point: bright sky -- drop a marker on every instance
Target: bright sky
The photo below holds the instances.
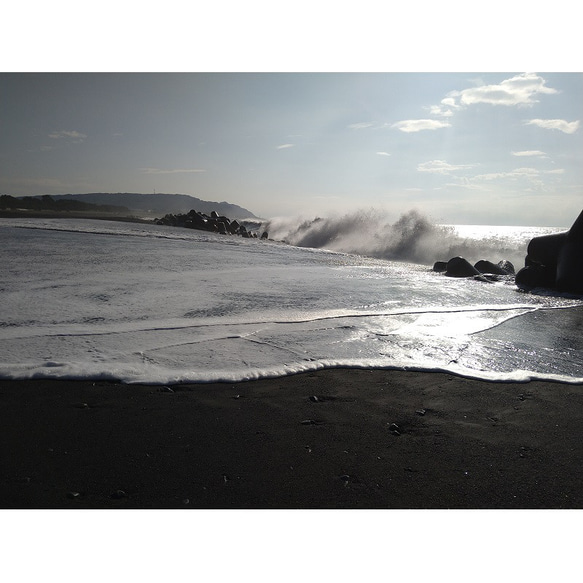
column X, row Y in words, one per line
column 490, row 148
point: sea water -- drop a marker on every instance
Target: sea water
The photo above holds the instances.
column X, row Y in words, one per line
column 141, row 303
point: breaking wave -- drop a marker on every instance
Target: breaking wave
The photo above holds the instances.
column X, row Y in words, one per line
column 413, row 238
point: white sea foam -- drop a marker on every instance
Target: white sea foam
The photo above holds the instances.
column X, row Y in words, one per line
column 145, row 303
column 412, row 237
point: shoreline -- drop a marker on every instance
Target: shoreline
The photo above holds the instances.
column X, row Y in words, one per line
column 329, row 439
column 23, row 214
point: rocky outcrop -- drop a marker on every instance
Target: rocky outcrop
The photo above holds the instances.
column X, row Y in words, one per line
column 213, row 223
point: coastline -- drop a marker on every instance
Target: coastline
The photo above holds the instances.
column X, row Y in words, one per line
column 48, row 214
column 331, row 439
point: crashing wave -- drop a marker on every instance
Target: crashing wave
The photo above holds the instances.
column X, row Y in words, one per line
column 413, row 238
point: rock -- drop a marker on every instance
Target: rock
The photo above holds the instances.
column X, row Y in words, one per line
column 460, row 267
column 555, row 261
column 507, row 267
column 489, row 267
column 394, row 429
column 119, row 494
column 545, row 250
column 534, row 276
column 264, row 235
column 440, row 266
column 213, row 223
column 570, row 261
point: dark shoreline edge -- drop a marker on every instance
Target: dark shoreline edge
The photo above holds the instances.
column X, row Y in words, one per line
column 8, row 214
column 333, row 438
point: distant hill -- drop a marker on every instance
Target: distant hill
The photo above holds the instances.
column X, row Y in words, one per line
column 160, row 204
column 48, row 203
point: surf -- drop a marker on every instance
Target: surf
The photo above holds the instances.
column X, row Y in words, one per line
column 413, row 237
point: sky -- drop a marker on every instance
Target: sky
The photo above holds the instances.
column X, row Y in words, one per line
column 472, row 148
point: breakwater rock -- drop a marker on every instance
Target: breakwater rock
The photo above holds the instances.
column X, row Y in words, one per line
column 483, row 270
column 555, row 261
column 213, row 223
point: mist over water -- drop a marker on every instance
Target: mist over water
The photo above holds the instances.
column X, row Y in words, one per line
column 413, row 237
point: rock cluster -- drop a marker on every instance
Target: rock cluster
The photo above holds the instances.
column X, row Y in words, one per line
column 213, row 223
column 555, row 261
column 483, row 270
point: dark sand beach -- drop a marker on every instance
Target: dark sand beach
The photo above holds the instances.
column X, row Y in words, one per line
column 332, row 439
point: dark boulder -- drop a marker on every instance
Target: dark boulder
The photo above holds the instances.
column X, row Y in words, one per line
column 555, row 261
column 570, row 263
column 460, row 267
column 484, row 266
column 545, row 250
column 234, row 227
column 440, row 266
column 507, row 267
column 534, row 276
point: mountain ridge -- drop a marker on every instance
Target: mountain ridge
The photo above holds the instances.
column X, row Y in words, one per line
column 160, row 203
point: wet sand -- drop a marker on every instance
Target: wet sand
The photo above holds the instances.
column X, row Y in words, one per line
column 332, row 439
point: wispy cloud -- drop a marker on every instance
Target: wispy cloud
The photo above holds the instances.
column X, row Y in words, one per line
column 74, row 135
column 171, row 171
column 418, row 125
column 516, row 173
column 284, row 146
column 360, row 125
column 520, row 90
column 442, row 167
column 555, row 124
column 439, row 110
column 529, row 153
column 383, row 153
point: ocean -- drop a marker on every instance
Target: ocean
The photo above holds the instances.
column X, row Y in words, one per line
column 141, row 303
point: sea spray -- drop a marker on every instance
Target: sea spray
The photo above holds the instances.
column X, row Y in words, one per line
column 413, row 237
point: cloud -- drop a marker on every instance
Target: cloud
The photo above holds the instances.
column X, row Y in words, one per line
column 284, row 146
column 383, row 153
column 555, row 124
column 173, row 171
column 516, row 173
column 441, row 167
column 520, row 90
column 438, row 110
column 68, row 134
column 361, row 125
column 417, row 125
column 529, row 153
